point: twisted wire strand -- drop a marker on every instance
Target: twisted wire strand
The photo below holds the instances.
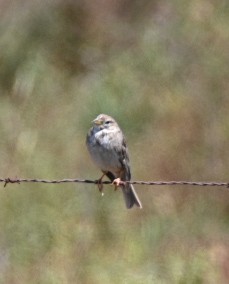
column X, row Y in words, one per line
column 192, row 183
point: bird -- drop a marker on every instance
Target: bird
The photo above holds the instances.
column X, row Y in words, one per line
column 107, row 147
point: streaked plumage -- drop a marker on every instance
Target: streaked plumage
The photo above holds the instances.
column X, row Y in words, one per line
column 107, row 147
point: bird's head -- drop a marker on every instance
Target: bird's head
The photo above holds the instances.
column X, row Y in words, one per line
column 104, row 121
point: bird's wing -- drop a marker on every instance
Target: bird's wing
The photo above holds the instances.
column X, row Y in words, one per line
column 122, row 152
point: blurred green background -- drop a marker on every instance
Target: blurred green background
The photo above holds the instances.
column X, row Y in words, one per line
column 160, row 68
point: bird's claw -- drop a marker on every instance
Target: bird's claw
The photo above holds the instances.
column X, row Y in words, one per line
column 116, row 183
column 100, row 185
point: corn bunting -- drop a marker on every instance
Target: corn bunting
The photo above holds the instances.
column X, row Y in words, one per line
column 107, row 147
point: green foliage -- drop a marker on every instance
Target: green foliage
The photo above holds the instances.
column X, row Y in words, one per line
column 161, row 69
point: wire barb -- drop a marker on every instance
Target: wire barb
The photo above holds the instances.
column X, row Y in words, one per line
column 9, row 180
column 191, row 183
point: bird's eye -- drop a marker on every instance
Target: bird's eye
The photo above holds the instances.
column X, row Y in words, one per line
column 108, row 122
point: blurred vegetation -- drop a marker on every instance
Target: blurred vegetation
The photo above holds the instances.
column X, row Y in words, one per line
column 161, row 69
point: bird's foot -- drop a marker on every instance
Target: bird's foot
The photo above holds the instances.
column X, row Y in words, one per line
column 116, row 183
column 100, row 185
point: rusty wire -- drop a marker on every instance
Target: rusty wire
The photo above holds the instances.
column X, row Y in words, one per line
column 191, row 183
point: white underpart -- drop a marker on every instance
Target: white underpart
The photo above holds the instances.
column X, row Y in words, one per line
column 104, row 133
column 105, row 156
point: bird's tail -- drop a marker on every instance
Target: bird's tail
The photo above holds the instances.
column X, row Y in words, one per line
column 131, row 196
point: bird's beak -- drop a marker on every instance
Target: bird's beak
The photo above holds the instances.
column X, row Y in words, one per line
column 97, row 121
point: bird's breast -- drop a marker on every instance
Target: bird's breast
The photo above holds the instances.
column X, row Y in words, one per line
column 103, row 152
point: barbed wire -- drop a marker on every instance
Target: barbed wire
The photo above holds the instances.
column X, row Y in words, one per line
column 191, row 183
